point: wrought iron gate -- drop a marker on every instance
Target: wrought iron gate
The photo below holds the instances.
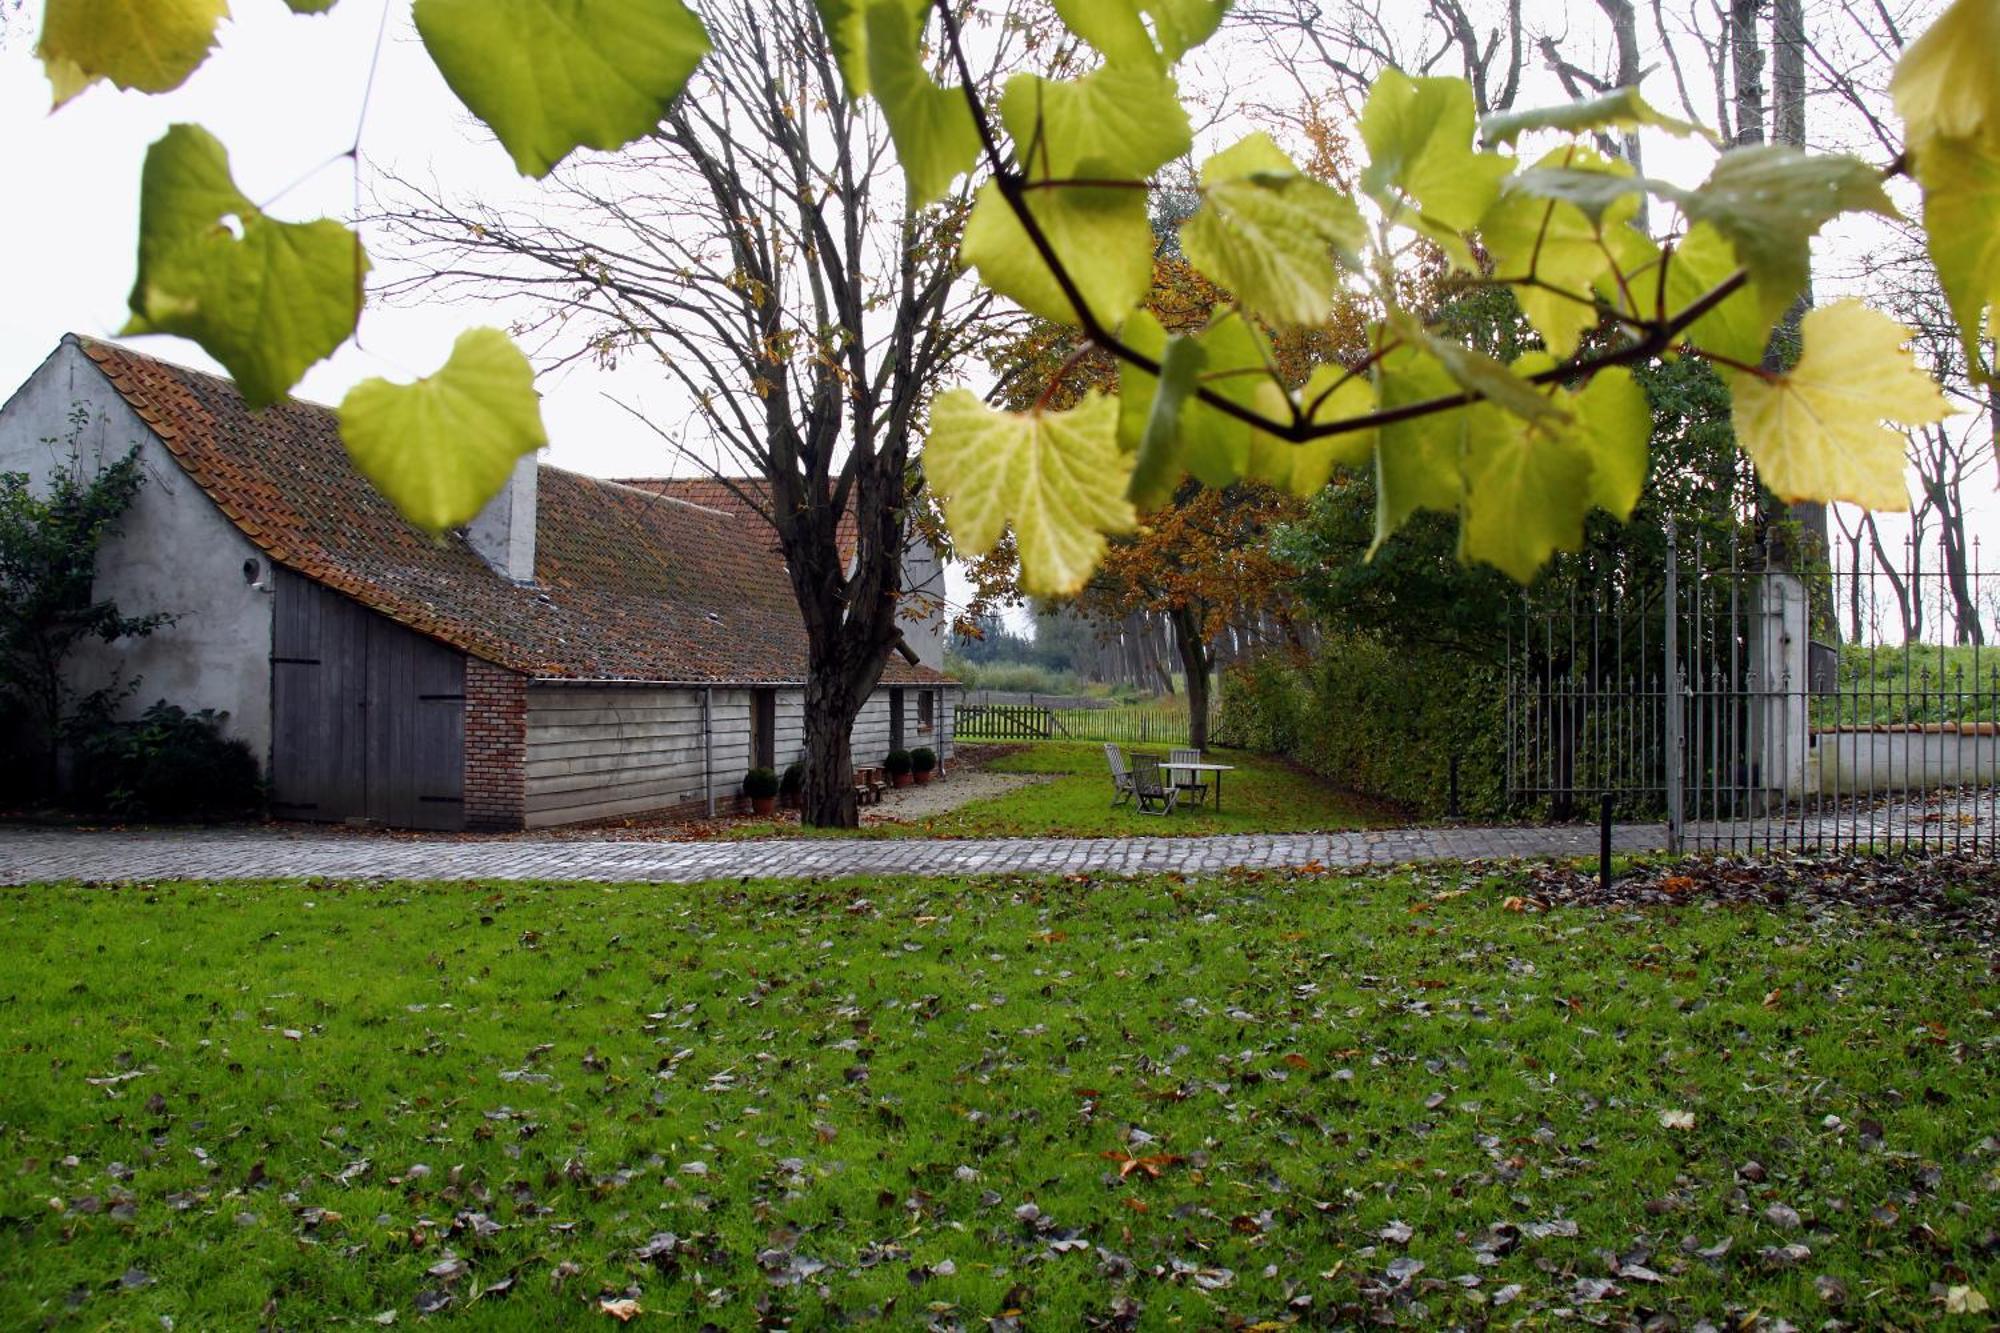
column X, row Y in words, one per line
column 1713, row 700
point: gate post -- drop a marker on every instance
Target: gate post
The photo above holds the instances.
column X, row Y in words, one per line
column 1670, row 683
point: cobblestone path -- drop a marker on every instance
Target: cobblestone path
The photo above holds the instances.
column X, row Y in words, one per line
column 30, row 855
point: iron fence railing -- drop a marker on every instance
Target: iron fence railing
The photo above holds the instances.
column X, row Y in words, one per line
column 1715, row 700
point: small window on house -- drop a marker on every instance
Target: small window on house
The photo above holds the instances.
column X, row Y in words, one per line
column 926, row 710
column 763, row 728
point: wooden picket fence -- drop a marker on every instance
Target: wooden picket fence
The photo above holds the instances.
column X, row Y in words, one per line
column 1158, row 723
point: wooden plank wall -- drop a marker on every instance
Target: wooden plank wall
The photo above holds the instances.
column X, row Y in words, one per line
column 599, row 751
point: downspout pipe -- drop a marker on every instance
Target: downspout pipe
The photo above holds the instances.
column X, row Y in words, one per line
column 708, row 748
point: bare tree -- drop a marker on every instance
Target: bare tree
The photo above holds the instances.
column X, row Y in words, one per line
column 757, row 250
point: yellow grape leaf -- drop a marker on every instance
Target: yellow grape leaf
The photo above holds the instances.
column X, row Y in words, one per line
column 265, row 298
column 1058, row 478
column 444, row 446
column 1816, row 433
column 1103, row 237
column 846, row 26
column 551, row 76
column 1961, row 180
column 1944, row 83
column 1269, row 233
column 150, row 47
column 1527, row 490
column 1216, row 447
column 1615, row 423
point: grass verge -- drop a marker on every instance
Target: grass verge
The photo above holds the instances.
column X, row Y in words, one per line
column 1120, row 1103
column 1263, row 795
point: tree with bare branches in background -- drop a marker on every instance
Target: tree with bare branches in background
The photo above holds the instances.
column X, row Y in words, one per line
column 758, row 251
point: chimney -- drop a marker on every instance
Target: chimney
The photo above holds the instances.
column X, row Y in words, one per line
column 503, row 533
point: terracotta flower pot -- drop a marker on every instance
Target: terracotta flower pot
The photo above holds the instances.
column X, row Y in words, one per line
column 763, row 805
column 903, row 779
column 922, row 776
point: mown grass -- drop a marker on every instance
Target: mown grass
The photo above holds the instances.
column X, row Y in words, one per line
column 1262, row 795
column 892, row 1103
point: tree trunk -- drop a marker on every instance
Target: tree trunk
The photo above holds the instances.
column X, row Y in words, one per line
column 1195, row 662
column 827, row 798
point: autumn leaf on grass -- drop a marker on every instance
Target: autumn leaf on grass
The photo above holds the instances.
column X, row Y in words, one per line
column 1149, row 1166
column 1057, row 477
column 1677, row 1119
column 1816, row 432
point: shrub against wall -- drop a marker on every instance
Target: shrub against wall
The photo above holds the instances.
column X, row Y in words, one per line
column 1383, row 722
column 169, row 764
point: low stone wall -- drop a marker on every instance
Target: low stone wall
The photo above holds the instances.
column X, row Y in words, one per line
column 1864, row 760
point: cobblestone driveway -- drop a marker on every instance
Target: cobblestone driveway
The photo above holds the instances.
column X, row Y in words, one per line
column 30, row 855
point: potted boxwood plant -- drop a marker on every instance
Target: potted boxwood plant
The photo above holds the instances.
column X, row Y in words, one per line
column 923, row 762
column 792, row 784
column 898, row 764
column 761, row 786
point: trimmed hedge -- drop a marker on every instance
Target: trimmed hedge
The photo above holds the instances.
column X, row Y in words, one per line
column 1385, row 722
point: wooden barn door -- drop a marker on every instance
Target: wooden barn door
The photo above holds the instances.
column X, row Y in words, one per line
column 368, row 718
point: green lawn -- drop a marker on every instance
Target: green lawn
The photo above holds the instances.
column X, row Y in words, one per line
column 1263, row 795
column 918, row 1104
column 1928, row 683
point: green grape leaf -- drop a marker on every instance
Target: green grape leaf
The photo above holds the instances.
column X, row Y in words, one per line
column 1182, row 25
column 1218, row 448
column 1269, row 234
column 552, row 76
column 1475, row 371
column 265, row 298
column 1116, row 122
column 1143, row 334
column 846, row 26
column 1961, row 180
column 1816, row 433
column 1158, row 468
column 1527, row 491
column 1593, row 192
column 1559, row 244
column 1615, row 423
column 1103, row 237
column 309, row 6
column 1058, row 478
column 441, row 448
column 150, row 48
column 1703, row 260
column 1416, row 460
column 1332, row 394
column 1419, row 138
column 1944, row 84
column 936, row 138
column 1769, row 201
column 1622, row 109
column 1113, row 27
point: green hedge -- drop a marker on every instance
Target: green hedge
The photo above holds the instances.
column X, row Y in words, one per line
column 1385, row 722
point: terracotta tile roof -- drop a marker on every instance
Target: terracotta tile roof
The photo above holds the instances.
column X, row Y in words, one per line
column 630, row 585
column 715, row 493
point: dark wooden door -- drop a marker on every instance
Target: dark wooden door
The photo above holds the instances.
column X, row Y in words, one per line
column 368, row 718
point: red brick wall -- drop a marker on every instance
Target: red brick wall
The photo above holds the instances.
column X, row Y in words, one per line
column 496, row 746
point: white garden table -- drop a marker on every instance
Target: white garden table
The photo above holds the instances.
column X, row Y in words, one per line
column 1217, row 769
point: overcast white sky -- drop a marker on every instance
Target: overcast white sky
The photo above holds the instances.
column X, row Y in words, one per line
column 284, row 94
